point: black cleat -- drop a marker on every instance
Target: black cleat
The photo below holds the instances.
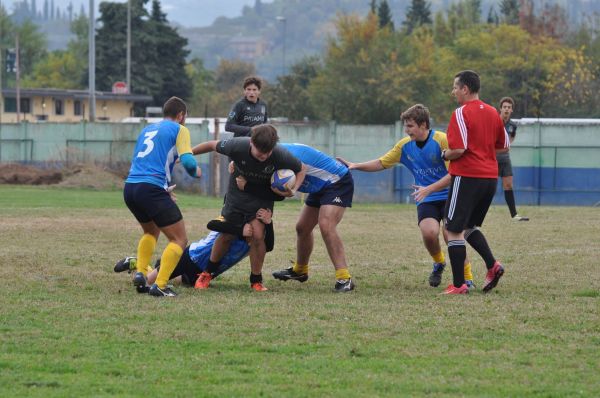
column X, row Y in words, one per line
column 435, row 278
column 126, row 264
column 158, row 292
column 343, row 285
column 288, row 273
column 139, row 281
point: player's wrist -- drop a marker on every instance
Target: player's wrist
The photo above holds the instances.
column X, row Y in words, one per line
column 443, row 155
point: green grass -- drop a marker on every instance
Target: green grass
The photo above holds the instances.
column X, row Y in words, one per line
column 69, row 326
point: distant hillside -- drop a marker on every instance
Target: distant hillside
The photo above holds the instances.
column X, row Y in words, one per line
column 258, row 35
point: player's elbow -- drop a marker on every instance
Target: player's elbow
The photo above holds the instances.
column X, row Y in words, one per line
column 188, row 161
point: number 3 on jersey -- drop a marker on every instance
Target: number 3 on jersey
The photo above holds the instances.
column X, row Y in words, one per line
column 148, row 142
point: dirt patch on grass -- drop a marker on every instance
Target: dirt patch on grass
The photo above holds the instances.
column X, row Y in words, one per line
column 78, row 176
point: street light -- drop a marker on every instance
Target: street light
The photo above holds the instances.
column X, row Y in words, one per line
column 283, row 20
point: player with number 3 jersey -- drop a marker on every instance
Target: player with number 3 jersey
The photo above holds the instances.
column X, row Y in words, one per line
column 149, row 198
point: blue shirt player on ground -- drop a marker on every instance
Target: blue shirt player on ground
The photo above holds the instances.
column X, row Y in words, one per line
column 420, row 153
column 148, row 197
column 330, row 189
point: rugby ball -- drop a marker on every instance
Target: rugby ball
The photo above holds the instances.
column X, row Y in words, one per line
column 283, row 179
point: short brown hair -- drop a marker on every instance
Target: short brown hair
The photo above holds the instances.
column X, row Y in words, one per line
column 173, row 107
column 253, row 80
column 507, row 99
column 470, row 79
column 418, row 113
column 264, row 137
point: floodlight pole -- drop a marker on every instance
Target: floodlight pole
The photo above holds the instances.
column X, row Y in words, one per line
column 128, row 77
column 92, row 62
column 18, row 78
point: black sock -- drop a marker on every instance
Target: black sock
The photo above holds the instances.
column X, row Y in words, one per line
column 212, row 267
column 457, row 252
column 255, row 278
column 478, row 242
column 509, row 196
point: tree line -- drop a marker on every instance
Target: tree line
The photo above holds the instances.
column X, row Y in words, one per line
column 368, row 72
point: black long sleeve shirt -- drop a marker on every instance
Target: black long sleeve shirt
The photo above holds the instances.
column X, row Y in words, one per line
column 244, row 115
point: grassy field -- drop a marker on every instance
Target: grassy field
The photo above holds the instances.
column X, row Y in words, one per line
column 70, row 326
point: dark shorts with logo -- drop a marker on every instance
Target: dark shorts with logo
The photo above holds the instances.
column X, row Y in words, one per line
column 149, row 202
column 338, row 194
column 504, row 165
column 468, row 202
column 433, row 210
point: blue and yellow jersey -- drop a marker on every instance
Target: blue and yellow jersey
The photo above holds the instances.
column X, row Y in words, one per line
column 425, row 164
column 321, row 170
column 158, row 147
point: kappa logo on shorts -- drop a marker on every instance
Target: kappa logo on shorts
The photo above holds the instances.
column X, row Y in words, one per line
column 337, row 200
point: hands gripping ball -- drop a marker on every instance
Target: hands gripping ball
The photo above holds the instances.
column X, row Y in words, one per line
column 283, row 179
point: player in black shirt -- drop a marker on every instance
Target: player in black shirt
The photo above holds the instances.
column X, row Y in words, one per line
column 248, row 112
column 255, row 158
column 504, row 165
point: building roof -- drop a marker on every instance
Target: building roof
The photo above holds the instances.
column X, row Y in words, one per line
column 76, row 94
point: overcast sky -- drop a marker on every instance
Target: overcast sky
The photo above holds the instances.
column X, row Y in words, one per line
column 184, row 12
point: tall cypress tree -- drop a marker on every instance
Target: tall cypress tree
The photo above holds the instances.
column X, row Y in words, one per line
column 157, row 51
column 418, row 13
column 385, row 15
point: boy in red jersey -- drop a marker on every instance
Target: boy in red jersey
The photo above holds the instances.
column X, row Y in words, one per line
column 474, row 134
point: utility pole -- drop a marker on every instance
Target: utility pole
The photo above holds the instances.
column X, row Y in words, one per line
column 92, row 62
column 128, row 78
column 17, row 66
column 283, row 20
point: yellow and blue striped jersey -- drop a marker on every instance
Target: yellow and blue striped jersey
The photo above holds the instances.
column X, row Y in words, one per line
column 158, row 147
column 425, row 163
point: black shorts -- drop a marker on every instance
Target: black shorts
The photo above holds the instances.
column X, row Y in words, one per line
column 468, row 202
column 504, row 166
column 433, row 209
column 149, row 202
column 186, row 269
column 337, row 194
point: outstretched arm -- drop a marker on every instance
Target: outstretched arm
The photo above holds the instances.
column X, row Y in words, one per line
column 205, row 147
column 371, row 165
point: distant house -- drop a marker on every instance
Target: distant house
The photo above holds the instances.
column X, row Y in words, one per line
column 247, row 48
column 54, row 105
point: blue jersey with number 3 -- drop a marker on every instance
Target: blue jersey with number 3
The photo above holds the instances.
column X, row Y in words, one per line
column 155, row 154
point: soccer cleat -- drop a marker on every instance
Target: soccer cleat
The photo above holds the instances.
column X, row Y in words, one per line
column 435, row 278
column 288, row 273
column 451, row 289
column 126, row 264
column 520, row 218
column 158, row 292
column 493, row 276
column 470, row 284
column 259, row 287
column 343, row 285
column 139, row 281
column 203, row 281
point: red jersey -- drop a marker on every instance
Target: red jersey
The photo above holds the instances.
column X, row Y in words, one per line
column 477, row 128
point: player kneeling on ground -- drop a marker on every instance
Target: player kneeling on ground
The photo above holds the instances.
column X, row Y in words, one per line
column 194, row 259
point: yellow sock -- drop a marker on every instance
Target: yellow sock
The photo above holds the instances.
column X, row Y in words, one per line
column 439, row 258
column 468, row 273
column 144, row 252
column 342, row 273
column 300, row 269
column 168, row 262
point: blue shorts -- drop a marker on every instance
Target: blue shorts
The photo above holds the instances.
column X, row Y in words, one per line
column 337, row 194
column 149, row 202
column 433, row 210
